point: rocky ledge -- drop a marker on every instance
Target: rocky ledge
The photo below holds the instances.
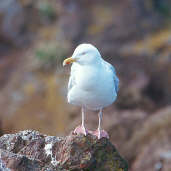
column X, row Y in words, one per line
column 31, row 151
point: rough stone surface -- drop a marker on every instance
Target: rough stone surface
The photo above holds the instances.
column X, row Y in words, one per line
column 30, row 150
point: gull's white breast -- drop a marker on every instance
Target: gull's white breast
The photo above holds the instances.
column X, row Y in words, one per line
column 92, row 86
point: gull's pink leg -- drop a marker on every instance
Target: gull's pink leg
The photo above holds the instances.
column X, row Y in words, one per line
column 81, row 128
column 100, row 133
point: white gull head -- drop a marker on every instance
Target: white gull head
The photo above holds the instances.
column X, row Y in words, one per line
column 86, row 54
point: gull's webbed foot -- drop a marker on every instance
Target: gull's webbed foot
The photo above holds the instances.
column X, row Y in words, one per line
column 81, row 130
column 100, row 134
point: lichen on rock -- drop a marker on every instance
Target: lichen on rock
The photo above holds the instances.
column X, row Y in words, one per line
column 29, row 150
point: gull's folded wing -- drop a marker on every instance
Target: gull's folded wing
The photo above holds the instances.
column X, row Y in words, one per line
column 112, row 70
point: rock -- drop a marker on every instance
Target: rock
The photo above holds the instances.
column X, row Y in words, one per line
column 30, row 150
column 159, row 89
column 152, row 143
column 104, row 25
column 146, row 84
column 13, row 20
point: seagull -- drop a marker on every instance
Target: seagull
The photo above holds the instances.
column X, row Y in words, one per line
column 93, row 84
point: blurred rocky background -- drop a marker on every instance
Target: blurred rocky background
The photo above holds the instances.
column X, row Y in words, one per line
column 134, row 35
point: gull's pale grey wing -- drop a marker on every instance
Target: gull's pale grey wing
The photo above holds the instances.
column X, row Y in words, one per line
column 112, row 70
column 116, row 80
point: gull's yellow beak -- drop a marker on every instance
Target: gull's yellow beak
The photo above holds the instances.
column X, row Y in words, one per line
column 68, row 61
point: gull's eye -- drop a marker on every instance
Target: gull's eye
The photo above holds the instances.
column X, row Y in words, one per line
column 83, row 53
